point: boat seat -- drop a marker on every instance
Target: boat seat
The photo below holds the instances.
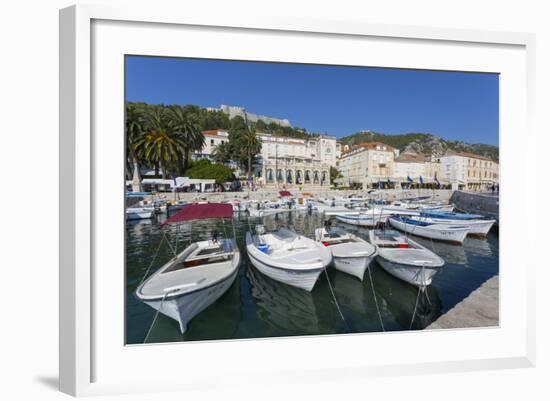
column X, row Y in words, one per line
column 208, row 255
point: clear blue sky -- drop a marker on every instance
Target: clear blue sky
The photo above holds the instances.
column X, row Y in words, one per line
column 328, row 99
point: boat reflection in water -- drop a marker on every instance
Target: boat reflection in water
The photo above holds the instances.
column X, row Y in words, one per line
column 283, row 307
column 399, row 299
column 451, row 253
column 357, row 302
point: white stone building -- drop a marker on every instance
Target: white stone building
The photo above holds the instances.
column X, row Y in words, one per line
column 295, row 162
column 289, row 162
column 212, row 139
column 469, row 171
column 410, row 165
column 368, row 164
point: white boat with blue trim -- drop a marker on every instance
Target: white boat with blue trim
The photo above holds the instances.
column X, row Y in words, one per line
column 287, row 257
column 478, row 227
column 455, row 233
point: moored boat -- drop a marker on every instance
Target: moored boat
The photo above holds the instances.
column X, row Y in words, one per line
column 196, row 277
column 439, row 231
column 405, row 258
column 287, row 257
column 450, row 215
column 137, row 213
column 477, row 227
column 350, row 254
column 369, row 218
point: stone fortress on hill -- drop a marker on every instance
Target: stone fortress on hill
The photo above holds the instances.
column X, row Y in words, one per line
column 234, row 111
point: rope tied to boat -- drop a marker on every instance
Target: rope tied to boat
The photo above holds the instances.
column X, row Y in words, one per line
column 153, row 260
column 421, row 288
column 335, row 300
column 375, row 299
column 155, row 318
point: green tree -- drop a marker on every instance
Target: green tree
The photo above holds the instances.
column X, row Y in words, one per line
column 184, row 123
column 160, row 145
column 334, row 174
column 244, row 144
column 204, row 169
column 222, row 153
column 135, row 129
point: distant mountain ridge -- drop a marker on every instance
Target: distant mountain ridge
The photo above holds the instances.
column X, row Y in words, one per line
column 427, row 144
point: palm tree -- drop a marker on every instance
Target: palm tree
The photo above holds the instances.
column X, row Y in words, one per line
column 252, row 147
column 160, row 145
column 185, row 124
column 135, row 128
column 222, row 153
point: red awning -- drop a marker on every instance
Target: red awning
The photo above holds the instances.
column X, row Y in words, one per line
column 198, row 211
column 285, row 193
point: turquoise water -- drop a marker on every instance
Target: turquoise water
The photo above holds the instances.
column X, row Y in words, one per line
column 257, row 306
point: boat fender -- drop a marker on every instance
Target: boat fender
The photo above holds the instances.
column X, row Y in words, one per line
column 263, row 248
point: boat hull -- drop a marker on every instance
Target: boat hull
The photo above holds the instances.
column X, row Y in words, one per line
column 416, row 275
column 185, row 307
column 304, row 279
column 139, row 215
column 363, row 220
column 477, row 227
column 355, row 266
column 441, row 234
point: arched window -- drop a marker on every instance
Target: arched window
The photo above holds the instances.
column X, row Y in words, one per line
column 269, row 175
column 308, row 177
column 298, row 176
column 324, row 177
column 289, row 176
column 279, row 175
column 316, row 177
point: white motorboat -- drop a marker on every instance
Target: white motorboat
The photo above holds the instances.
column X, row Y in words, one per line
column 415, row 208
column 439, row 231
column 350, row 254
column 368, row 218
column 395, row 209
column 443, row 231
column 268, row 208
column 330, row 209
column 137, row 213
column 196, row 277
column 287, row 257
column 477, row 227
column 404, row 258
column 437, row 207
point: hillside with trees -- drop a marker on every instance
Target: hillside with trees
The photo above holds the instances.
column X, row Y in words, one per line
column 427, row 144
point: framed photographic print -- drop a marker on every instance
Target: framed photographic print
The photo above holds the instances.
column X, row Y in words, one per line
column 345, row 193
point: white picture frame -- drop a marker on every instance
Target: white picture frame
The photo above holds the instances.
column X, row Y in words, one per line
column 82, row 344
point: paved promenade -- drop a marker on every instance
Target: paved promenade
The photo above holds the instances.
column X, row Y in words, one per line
column 265, row 194
column 479, row 309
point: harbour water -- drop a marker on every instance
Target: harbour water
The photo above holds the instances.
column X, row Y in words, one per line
column 256, row 306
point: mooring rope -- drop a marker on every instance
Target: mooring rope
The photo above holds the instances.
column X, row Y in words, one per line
column 153, row 260
column 421, row 288
column 154, row 319
column 375, row 299
column 335, row 301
